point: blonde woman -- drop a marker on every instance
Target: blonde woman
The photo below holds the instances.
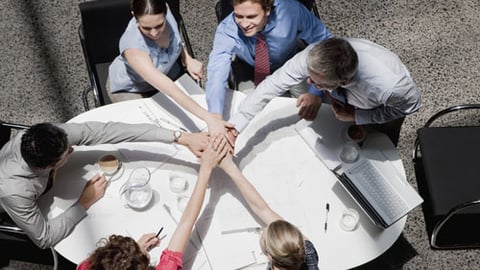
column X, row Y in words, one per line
column 284, row 245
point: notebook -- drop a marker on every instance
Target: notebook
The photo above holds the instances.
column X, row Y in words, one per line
column 384, row 199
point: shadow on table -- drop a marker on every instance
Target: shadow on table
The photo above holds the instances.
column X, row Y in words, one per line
column 263, row 138
column 394, row 258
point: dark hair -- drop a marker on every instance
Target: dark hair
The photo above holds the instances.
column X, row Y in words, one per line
column 148, row 7
column 43, row 145
column 334, row 58
column 266, row 4
column 118, row 253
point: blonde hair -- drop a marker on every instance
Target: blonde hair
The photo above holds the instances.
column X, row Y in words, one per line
column 285, row 244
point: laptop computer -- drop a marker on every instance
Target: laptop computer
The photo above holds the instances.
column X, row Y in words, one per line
column 372, row 181
column 376, row 186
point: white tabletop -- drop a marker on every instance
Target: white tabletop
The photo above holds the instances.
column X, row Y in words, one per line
column 270, row 153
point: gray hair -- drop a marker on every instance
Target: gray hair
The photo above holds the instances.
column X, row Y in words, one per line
column 333, row 58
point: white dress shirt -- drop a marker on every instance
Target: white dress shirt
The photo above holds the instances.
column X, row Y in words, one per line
column 381, row 90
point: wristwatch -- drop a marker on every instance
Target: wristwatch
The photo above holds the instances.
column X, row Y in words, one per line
column 176, row 135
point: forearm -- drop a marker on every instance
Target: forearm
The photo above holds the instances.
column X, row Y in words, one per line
column 185, row 55
column 254, row 200
column 182, row 233
column 91, row 133
column 45, row 233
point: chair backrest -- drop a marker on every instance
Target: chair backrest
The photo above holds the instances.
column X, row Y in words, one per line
column 103, row 23
column 6, row 131
column 13, row 240
column 224, row 7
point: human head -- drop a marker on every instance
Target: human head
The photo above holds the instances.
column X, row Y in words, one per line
column 332, row 63
column 44, row 145
column 251, row 16
column 118, row 252
column 284, row 245
column 150, row 16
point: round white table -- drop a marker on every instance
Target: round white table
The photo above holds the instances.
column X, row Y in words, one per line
column 271, row 154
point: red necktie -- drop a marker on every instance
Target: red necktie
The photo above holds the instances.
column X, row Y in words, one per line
column 262, row 60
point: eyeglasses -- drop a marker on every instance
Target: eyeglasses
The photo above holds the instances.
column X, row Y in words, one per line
column 324, row 85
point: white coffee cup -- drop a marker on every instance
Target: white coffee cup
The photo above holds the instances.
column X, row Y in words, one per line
column 355, row 133
column 108, row 164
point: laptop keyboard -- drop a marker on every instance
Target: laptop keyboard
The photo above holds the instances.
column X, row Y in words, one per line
column 373, row 185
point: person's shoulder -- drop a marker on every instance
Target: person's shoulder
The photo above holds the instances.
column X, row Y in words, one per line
column 287, row 5
column 227, row 24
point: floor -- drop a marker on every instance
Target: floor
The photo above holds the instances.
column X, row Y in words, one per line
column 43, row 74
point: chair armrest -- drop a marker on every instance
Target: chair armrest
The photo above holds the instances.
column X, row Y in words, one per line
column 442, row 222
column 450, row 110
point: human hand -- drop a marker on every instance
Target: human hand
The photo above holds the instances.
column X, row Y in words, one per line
column 93, row 191
column 196, row 142
column 147, row 242
column 194, row 68
column 343, row 112
column 215, row 151
column 216, row 125
column 309, row 105
column 232, row 134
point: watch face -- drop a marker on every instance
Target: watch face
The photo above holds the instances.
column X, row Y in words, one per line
column 177, row 134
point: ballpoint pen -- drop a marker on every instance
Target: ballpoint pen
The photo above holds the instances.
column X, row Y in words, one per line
column 327, row 209
column 160, row 231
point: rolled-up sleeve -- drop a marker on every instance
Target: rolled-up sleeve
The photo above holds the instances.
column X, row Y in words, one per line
column 398, row 102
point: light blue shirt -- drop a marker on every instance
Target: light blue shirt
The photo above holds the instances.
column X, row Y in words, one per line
column 381, row 90
column 288, row 22
column 122, row 76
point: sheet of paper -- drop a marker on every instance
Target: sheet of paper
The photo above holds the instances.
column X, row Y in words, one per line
column 324, row 135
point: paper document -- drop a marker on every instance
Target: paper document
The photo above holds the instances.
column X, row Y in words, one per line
column 324, row 135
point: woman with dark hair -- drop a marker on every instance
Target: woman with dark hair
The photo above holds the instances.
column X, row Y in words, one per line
column 149, row 49
column 123, row 253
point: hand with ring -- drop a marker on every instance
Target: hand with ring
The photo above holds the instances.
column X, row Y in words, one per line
column 215, row 151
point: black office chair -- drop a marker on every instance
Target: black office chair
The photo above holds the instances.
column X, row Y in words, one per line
column 240, row 70
column 14, row 243
column 446, row 160
column 103, row 23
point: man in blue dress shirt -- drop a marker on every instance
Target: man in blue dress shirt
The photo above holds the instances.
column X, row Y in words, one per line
column 282, row 23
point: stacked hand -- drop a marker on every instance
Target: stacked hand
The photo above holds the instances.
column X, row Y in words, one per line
column 215, row 151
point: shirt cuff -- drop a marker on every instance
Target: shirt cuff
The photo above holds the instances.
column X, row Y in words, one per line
column 239, row 121
column 362, row 117
column 314, row 91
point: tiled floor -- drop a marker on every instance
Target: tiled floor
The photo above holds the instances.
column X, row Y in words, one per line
column 42, row 75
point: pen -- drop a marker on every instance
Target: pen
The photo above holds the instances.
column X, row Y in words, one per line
column 161, row 229
column 249, row 229
column 327, row 209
